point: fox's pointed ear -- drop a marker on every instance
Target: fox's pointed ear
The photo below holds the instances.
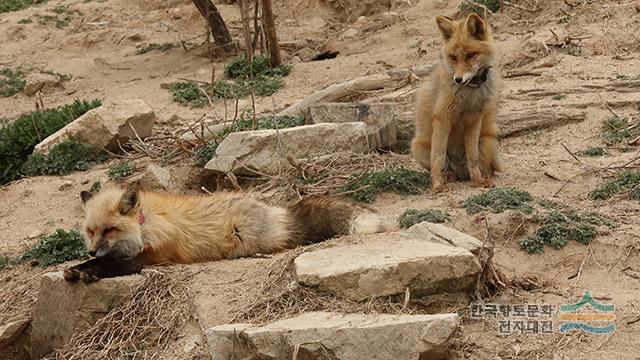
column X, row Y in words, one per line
column 85, row 196
column 129, row 201
column 476, row 27
column 445, row 25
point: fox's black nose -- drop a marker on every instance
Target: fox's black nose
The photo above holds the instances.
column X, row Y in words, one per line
column 458, row 80
column 92, row 253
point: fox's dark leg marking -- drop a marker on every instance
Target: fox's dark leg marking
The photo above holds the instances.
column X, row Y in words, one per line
column 104, row 267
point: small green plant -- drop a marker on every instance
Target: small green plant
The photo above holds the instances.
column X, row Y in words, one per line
column 366, row 186
column 120, row 170
column 18, row 139
column 559, row 97
column 206, row 152
column 95, row 187
column 14, row 5
column 616, row 130
column 25, row 21
column 11, row 82
column 493, row 5
column 574, row 51
column 5, row 261
column 625, row 181
column 240, row 68
column 63, row 158
column 557, row 228
column 190, row 93
column 59, row 247
column 412, row 216
column 61, row 9
column 58, row 21
column 159, row 47
column 61, row 77
column 498, row 200
column 592, row 151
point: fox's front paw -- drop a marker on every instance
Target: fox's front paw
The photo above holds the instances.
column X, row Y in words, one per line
column 71, row 274
column 482, row 182
column 439, row 187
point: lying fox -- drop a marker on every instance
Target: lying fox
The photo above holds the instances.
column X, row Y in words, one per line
column 126, row 230
column 456, row 131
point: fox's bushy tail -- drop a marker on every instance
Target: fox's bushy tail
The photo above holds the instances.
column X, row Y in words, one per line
column 317, row 218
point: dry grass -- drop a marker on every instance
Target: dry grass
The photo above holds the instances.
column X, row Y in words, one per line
column 19, row 290
column 143, row 327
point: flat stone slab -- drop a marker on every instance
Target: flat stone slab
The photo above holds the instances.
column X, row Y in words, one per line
column 63, row 308
column 267, row 151
column 326, row 335
column 388, row 265
column 445, row 235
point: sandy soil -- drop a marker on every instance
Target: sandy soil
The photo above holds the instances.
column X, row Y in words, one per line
column 98, row 49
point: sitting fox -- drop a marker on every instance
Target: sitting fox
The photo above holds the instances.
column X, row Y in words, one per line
column 126, row 230
column 456, row 131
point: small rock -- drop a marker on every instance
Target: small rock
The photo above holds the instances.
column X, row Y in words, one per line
column 106, row 126
column 388, row 265
column 10, row 331
column 348, row 337
column 37, row 81
column 65, row 185
column 350, row 34
column 155, row 178
column 35, row 234
column 63, row 308
column 222, row 341
column 264, row 150
column 446, row 235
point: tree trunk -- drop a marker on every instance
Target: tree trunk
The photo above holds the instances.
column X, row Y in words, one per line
column 270, row 31
column 246, row 29
column 216, row 23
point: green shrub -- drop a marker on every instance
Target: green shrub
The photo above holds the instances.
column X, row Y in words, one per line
column 11, row 82
column 592, row 151
column 625, row 181
column 557, row 228
column 14, row 5
column 412, row 216
column 120, row 170
column 59, row 247
column 18, row 139
column 366, row 186
column 493, row 5
column 206, row 152
column 5, row 261
column 240, row 68
column 498, row 200
column 616, row 130
column 63, row 158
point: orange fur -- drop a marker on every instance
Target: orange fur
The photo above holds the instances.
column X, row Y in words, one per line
column 456, row 130
column 188, row 229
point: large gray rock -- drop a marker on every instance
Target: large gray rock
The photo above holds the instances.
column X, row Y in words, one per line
column 63, row 308
column 388, row 265
column 379, row 117
column 106, row 126
column 324, row 335
column 154, row 177
column 266, row 151
column 445, row 235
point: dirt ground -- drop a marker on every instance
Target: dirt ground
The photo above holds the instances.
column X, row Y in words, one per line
column 601, row 46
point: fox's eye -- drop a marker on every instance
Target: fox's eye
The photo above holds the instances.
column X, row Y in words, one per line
column 108, row 230
column 471, row 55
column 453, row 58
